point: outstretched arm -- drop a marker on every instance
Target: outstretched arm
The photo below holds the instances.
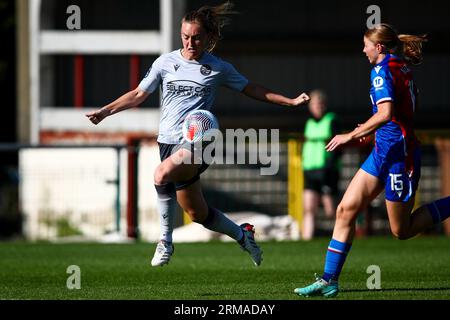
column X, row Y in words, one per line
column 129, row 100
column 383, row 115
column 258, row 92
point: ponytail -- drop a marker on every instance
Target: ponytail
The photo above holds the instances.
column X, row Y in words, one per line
column 410, row 46
column 212, row 19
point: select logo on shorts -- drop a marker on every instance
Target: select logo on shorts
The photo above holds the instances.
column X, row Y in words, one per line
column 188, row 88
column 205, row 69
column 377, row 82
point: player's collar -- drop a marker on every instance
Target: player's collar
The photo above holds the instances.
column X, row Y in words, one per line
column 384, row 61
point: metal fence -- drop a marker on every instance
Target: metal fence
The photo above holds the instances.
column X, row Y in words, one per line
column 82, row 191
column 64, row 191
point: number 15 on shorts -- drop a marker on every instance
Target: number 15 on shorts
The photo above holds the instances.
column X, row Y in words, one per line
column 396, row 183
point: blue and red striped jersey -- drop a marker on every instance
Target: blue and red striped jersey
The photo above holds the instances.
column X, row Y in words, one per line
column 392, row 80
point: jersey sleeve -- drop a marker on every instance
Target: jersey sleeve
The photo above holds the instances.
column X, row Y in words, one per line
column 233, row 79
column 382, row 85
column 153, row 77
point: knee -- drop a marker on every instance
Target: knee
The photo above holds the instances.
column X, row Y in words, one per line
column 329, row 212
column 401, row 233
column 195, row 215
column 161, row 176
column 345, row 213
column 308, row 212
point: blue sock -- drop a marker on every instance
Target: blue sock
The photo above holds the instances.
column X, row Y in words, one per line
column 439, row 209
column 334, row 261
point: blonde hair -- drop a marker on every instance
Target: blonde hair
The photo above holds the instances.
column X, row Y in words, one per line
column 212, row 19
column 410, row 46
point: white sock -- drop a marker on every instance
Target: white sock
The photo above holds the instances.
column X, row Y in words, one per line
column 218, row 222
column 167, row 206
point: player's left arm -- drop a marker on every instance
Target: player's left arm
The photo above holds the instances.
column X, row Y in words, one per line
column 261, row 93
column 382, row 116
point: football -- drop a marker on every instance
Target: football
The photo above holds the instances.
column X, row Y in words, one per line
column 197, row 124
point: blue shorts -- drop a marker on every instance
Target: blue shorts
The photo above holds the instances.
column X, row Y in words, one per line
column 399, row 185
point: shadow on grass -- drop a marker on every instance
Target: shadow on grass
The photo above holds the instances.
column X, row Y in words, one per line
column 395, row 289
column 212, row 294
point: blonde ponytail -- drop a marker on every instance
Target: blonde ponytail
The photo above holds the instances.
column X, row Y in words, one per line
column 412, row 47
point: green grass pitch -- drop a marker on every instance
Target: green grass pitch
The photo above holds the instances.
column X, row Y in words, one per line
column 413, row 269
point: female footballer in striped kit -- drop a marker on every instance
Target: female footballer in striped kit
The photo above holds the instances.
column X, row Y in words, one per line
column 393, row 165
column 189, row 79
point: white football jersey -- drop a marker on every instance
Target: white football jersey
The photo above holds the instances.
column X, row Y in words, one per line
column 187, row 85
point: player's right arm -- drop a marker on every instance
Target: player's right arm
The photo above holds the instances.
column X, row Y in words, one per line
column 134, row 97
column 129, row 100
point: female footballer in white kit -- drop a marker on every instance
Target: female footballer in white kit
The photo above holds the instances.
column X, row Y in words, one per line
column 189, row 79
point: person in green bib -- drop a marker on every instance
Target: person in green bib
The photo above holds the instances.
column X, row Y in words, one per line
column 320, row 168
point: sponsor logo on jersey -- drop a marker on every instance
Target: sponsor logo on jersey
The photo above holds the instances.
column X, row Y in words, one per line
column 378, row 82
column 176, row 66
column 187, row 88
column 148, row 72
column 205, row 69
column 404, row 69
column 377, row 69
